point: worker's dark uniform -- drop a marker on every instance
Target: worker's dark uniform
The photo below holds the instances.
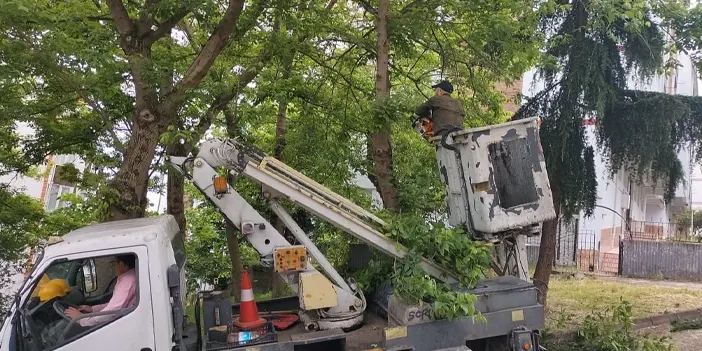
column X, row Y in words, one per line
column 445, row 112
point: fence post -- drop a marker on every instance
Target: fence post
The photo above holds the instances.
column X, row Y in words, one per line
column 558, row 239
column 621, row 257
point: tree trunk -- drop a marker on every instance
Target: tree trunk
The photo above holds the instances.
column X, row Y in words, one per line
column 547, row 249
column 132, row 178
column 235, row 257
column 370, row 163
column 381, row 139
column 382, row 157
column 547, row 252
column 280, row 129
column 278, row 288
column 153, row 113
column 278, row 284
column 175, row 189
column 231, row 119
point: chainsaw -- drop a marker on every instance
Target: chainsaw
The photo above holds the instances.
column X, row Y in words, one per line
column 423, row 126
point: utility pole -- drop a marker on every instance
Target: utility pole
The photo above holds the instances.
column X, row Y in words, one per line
column 689, row 190
column 695, row 92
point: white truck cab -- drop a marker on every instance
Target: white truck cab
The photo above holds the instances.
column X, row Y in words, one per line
column 84, row 259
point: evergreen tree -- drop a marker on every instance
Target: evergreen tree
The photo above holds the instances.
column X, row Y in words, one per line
column 594, row 48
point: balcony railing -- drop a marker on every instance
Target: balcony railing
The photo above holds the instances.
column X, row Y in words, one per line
column 662, row 231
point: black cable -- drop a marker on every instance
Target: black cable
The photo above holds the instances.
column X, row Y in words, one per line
column 445, row 135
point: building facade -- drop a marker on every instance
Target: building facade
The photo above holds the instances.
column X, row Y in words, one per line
column 624, row 206
column 48, row 187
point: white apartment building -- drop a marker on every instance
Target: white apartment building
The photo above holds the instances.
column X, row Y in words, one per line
column 47, row 188
column 620, row 200
column 696, row 187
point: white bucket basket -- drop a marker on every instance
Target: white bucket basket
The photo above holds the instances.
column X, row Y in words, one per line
column 497, row 179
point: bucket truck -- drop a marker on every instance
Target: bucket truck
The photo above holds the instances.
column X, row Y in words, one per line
column 497, row 189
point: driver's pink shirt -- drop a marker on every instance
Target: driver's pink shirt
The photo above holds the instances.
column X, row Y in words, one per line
column 123, row 297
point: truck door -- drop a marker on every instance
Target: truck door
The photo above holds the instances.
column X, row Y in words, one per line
column 124, row 323
column 132, row 331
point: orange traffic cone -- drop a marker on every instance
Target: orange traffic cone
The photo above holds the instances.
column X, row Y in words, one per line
column 248, row 312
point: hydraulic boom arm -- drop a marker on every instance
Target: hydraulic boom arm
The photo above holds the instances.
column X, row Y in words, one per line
column 325, row 304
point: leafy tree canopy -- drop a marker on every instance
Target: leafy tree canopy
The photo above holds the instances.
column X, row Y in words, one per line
column 593, row 49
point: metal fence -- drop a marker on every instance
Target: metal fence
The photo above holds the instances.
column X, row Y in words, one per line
column 650, row 250
column 579, row 250
column 567, row 243
column 663, row 231
column 661, row 250
column 587, row 251
column 676, row 260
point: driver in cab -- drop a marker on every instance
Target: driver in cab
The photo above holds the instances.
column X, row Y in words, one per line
column 123, row 295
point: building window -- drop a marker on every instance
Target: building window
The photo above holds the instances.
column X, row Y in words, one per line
column 54, row 199
column 63, row 177
column 64, row 159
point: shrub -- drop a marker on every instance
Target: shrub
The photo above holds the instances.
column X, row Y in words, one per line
column 613, row 330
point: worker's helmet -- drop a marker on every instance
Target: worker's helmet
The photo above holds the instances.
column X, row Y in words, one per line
column 54, row 288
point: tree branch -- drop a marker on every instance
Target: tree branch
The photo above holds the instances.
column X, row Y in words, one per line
column 149, row 6
column 166, row 27
column 231, row 119
column 104, row 17
column 185, row 27
column 337, row 72
column 368, row 7
column 530, row 101
column 214, row 46
column 70, row 85
column 409, row 7
column 417, row 82
column 245, row 26
column 158, row 160
column 53, row 107
column 244, row 79
column 145, row 21
column 121, row 16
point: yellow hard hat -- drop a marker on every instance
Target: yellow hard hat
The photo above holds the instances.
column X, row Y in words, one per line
column 44, row 279
column 54, row 288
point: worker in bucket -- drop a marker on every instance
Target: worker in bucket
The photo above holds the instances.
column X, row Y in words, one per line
column 444, row 113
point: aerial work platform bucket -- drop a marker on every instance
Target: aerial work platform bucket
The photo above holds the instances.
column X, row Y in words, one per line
column 496, row 177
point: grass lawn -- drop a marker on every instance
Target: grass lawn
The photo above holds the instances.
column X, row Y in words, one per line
column 569, row 300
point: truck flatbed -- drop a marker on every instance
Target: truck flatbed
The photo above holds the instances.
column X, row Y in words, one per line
column 368, row 337
column 506, row 302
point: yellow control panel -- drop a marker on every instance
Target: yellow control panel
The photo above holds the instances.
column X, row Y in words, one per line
column 291, row 258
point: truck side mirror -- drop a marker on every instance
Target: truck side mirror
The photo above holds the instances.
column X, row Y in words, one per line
column 89, row 276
